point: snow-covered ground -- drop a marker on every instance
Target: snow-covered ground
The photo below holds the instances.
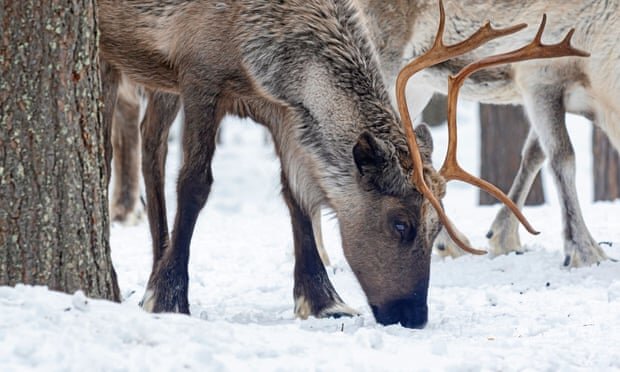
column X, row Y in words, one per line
column 513, row 312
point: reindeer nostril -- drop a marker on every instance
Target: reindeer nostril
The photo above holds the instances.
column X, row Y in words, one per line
column 441, row 247
column 490, row 234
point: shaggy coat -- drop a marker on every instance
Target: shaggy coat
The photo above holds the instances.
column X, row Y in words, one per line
column 309, row 72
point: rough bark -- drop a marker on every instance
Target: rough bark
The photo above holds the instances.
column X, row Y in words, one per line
column 503, row 130
column 606, row 167
column 54, row 227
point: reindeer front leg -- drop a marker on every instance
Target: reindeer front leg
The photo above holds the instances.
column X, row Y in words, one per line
column 313, row 291
column 504, row 235
column 168, row 285
column 318, row 237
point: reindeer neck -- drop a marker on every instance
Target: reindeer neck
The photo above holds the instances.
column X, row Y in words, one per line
column 318, row 58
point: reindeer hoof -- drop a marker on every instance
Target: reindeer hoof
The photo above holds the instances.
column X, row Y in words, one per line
column 338, row 309
column 444, row 246
column 582, row 255
column 148, row 301
column 171, row 303
column 166, row 292
column 504, row 242
column 127, row 216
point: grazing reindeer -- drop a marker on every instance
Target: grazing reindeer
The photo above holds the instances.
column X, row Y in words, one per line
column 308, row 72
column 401, row 30
column 547, row 88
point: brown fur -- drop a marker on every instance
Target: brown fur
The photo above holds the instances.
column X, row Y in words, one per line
column 308, row 71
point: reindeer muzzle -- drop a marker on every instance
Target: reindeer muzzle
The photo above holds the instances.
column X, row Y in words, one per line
column 410, row 313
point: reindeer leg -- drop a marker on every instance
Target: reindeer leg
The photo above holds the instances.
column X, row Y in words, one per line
column 160, row 114
column 313, row 291
column 318, row 237
column 125, row 202
column 110, row 78
column 545, row 106
column 504, row 235
column 168, row 284
column 444, row 245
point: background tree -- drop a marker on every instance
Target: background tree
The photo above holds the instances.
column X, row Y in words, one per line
column 54, row 225
column 503, row 130
column 606, row 167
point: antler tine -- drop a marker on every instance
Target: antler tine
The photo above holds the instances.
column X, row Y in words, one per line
column 440, row 52
column 562, row 45
column 440, row 29
column 566, row 44
column 437, row 54
column 541, row 29
column 534, row 50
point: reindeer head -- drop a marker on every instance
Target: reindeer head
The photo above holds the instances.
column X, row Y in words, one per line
column 388, row 240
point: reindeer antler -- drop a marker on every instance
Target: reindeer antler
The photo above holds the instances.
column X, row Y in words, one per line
column 440, row 53
column 451, row 170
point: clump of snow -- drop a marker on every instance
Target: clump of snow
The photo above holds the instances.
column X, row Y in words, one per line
column 79, row 301
column 512, row 312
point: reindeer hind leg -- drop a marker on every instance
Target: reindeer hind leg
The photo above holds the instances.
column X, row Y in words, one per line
column 504, row 232
column 545, row 106
column 125, row 206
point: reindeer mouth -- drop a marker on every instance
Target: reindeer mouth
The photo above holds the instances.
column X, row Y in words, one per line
column 409, row 313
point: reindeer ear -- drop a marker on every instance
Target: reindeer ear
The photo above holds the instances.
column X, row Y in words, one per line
column 425, row 142
column 370, row 156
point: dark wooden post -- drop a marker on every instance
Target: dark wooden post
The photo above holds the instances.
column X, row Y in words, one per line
column 503, row 130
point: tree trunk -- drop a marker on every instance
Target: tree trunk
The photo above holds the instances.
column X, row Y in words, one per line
column 54, row 227
column 606, row 167
column 503, row 130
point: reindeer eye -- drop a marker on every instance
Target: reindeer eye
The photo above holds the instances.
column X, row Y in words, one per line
column 404, row 230
column 401, row 228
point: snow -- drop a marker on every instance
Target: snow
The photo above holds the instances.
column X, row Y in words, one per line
column 512, row 312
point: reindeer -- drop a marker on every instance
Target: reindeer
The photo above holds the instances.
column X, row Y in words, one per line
column 401, row 30
column 309, row 72
column 548, row 88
